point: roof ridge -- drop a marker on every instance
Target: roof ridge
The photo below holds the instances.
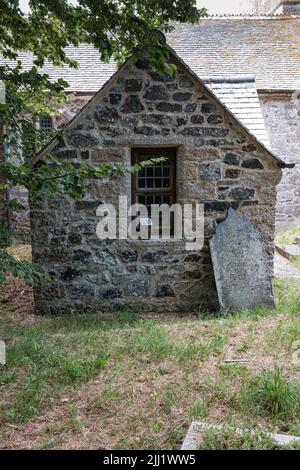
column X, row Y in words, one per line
column 250, row 15
column 228, row 78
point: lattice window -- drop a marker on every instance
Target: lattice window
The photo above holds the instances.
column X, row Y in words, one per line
column 154, row 184
column 46, row 123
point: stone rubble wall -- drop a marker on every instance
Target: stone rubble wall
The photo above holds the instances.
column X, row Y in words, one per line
column 217, row 165
column 282, row 117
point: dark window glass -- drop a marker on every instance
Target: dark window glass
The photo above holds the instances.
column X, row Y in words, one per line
column 154, row 184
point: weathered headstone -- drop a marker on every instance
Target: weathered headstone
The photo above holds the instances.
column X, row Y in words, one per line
column 242, row 274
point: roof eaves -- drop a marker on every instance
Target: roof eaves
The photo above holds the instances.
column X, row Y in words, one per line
column 227, row 79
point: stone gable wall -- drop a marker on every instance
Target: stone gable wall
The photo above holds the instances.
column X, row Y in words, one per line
column 216, row 165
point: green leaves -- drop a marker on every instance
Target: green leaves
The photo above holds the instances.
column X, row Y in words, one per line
column 21, row 269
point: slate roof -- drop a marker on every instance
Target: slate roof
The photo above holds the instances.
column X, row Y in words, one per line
column 266, row 46
column 240, row 96
column 88, row 78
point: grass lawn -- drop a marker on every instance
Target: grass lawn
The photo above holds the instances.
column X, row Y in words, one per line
column 129, row 382
column 288, row 237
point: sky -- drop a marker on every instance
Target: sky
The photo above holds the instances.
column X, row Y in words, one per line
column 213, row 6
column 225, row 6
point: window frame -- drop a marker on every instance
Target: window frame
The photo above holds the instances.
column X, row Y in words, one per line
column 145, row 153
column 48, row 129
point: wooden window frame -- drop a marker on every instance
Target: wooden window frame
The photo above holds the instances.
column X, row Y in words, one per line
column 145, row 153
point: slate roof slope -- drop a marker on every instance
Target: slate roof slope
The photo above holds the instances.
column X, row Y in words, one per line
column 88, row 78
column 267, row 47
column 240, row 96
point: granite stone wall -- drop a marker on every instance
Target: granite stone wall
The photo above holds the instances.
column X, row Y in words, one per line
column 217, row 165
column 282, row 117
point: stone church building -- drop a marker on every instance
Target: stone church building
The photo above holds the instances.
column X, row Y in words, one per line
column 211, row 158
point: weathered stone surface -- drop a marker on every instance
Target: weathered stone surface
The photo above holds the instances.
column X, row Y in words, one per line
column 211, row 171
column 109, row 294
column 185, row 82
column 161, row 119
column 147, row 130
column 197, row 119
column 85, row 155
column 208, row 108
column 165, row 291
column 219, row 206
column 205, row 131
column 152, row 257
column 161, row 78
column 182, row 96
column 113, row 130
column 156, row 93
column 83, row 140
column 252, row 163
column 242, row 273
column 190, row 108
column 169, row 107
column 132, row 105
column 242, row 194
column 74, row 238
column 232, row 159
column 70, row 273
column 232, row 173
column 87, row 205
column 67, row 154
column 105, row 114
column 81, row 255
column 249, row 148
column 129, row 255
column 133, row 85
column 181, row 121
column 281, row 116
column 115, row 98
column 215, row 119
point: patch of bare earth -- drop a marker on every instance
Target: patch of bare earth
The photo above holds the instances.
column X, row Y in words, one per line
column 16, row 298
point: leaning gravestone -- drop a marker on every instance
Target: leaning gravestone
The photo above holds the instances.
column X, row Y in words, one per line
column 242, row 274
